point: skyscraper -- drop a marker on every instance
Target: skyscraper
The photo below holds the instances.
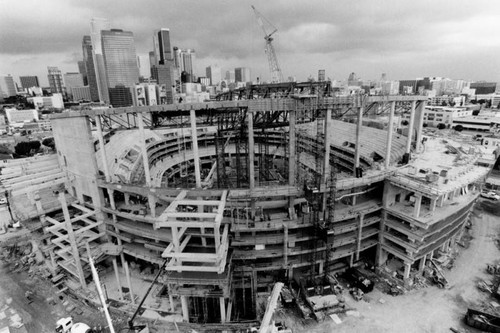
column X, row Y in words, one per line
column 214, row 73
column 72, row 80
column 242, row 74
column 163, row 68
column 88, row 59
column 82, row 69
column 7, row 86
column 96, row 26
column 55, row 80
column 183, row 61
column 120, row 61
column 29, row 81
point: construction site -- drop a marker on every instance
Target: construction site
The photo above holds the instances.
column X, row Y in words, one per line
column 216, row 203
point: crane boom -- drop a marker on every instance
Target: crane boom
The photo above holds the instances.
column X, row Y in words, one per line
column 274, row 67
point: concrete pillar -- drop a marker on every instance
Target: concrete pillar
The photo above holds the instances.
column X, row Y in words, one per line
column 351, row 260
column 152, row 205
column 420, row 115
column 145, row 159
column 251, row 151
column 127, row 198
column 185, row 309
column 127, row 276
column 418, row 205
column 433, row 204
column 410, row 126
column 390, row 132
column 285, row 245
column 357, row 148
column 117, row 275
column 326, row 156
column 194, row 138
column 292, row 140
column 421, row 265
column 360, row 232
column 222, row 309
column 407, row 270
column 440, row 200
column 171, row 299
column 101, row 148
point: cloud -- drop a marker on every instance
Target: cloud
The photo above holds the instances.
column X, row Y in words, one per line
column 405, row 38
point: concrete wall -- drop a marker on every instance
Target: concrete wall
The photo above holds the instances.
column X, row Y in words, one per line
column 77, row 157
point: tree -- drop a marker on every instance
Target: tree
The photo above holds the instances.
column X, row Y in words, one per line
column 441, row 126
column 25, row 148
column 49, row 142
column 458, row 128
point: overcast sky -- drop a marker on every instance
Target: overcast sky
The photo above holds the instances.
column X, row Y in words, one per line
column 405, row 39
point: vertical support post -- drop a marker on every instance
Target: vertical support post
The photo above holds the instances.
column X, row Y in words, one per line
column 285, row 245
column 171, row 299
column 418, row 205
column 175, row 240
column 222, row 309
column 420, row 115
column 360, row 232
column 421, row 264
column 72, row 240
column 117, row 275
column 433, row 204
column 251, row 151
column 326, row 158
column 390, row 131
column 407, row 270
column 359, row 124
column 196, row 156
column 185, row 309
column 127, row 276
column 292, row 141
column 97, row 119
column 410, row 126
column 145, row 159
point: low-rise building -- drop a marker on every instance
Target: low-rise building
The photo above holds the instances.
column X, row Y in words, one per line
column 41, row 102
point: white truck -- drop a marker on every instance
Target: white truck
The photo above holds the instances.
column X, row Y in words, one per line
column 66, row 325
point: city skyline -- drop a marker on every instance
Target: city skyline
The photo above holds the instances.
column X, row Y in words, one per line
column 405, row 40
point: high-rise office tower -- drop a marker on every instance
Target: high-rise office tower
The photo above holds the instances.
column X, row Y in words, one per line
column 96, row 26
column 55, row 80
column 88, row 59
column 120, row 61
column 163, row 67
column 183, row 61
column 214, row 73
column 29, row 81
column 230, row 76
column 242, row 74
column 82, row 69
column 72, row 80
column 7, row 86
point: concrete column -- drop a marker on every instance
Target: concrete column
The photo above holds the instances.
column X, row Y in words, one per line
column 117, row 275
column 285, row 246
column 440, row 200
column 222, row 309
column 390, row 132
column 421, row 265
column 321, row 267
column 292, row 140
column 152, row 205
column 420, row 115
column 251, row 151
column 101, row 148
column 357, row 148
column 407, row 271
column 194, row 138
column 171, row 299
column 127, row 275
column 410, row 126
column 127, row 198
column 185, row 309
column 418, row 205
column 326, row 157
column 351, row 260
column 360, row 232
column 433, row 204
column 145, row 160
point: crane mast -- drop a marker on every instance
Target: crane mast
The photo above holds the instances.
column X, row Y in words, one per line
column 274, row 67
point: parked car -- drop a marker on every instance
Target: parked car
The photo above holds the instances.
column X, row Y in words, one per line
column 490, row 195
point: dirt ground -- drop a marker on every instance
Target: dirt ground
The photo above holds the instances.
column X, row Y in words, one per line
column 431, row 309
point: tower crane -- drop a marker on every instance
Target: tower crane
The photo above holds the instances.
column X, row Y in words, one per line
column 274, row 66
